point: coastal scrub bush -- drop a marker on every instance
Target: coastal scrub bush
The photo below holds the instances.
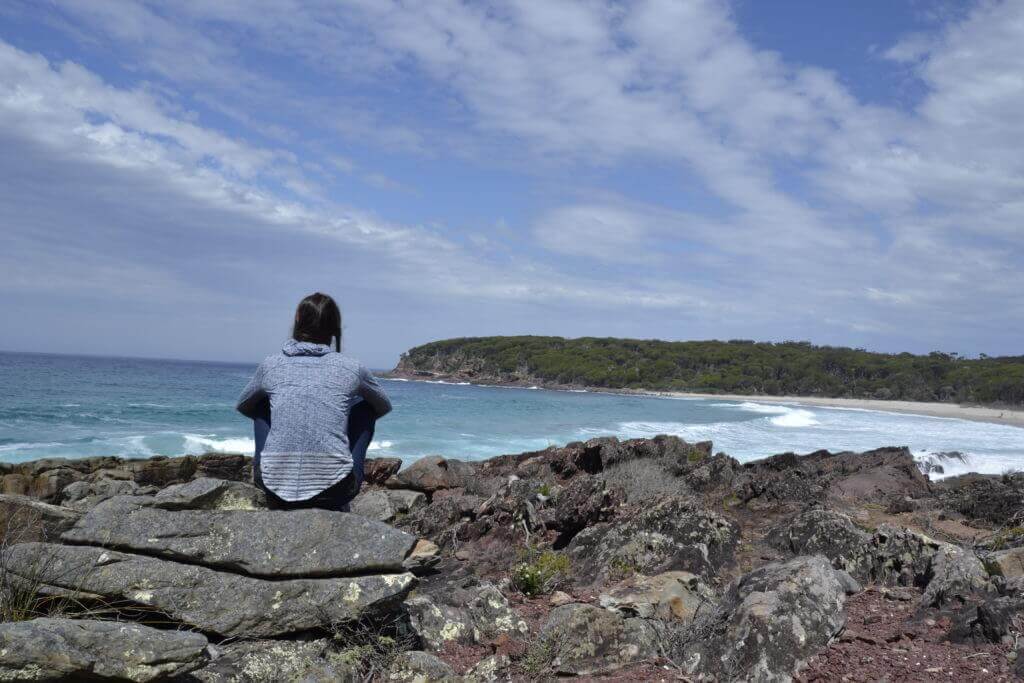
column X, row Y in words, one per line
column 22, row 595
column 541, row 572
column 737, row 367
column 370, row 646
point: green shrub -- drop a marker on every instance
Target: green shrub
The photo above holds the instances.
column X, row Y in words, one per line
column 541, row 574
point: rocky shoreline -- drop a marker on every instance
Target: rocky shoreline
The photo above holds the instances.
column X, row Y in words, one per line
column 649, row 559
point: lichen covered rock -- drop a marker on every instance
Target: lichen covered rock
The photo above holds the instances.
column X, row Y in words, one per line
column 770, row 622
column 66, row 649
column 676, row 534
column 468, row 613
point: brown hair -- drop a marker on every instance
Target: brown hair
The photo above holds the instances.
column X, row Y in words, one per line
column 317, row 320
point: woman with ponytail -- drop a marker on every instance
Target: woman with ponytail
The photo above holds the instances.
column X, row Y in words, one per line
column 314, row 412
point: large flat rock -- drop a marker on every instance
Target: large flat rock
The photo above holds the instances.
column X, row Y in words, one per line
column 274, row 544
column 209, row 600
column 87, row 650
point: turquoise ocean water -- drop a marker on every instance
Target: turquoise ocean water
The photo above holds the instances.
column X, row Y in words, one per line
column 69, row 406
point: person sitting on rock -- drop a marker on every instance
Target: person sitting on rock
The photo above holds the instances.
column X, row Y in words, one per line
column 324, row 407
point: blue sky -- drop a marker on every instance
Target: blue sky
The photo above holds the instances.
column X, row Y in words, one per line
column 175, row 176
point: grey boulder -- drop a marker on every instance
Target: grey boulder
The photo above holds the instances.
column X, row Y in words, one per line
column 208, row 600
column 582, row 640
column 828, row 533
column 956, row 575
column 386, row 505
column 431, row 474
column 87, row 650
column 469, row 613
column 770, row 622
column 673, row 535
column 274, row 544
column 206, row 493
column 84, row 494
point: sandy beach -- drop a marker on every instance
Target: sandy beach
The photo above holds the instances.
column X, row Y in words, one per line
column 1006, row 416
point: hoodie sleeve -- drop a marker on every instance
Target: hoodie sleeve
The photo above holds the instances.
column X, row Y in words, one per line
column 372, row 392
column 253, row 394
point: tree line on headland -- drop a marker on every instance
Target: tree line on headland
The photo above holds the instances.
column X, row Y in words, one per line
column 737, row 366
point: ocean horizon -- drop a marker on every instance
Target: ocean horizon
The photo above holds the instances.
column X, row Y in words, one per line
column 78, row 406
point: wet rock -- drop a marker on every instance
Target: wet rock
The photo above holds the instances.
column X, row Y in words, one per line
column 386, row 505
column 671, row 596
column 273, row 544
column 584, row 640
column 469, row 612
column 65, row 649
column 270, row 661
column 28, row 519
column 936, row 463
column 211, row 601
column 828, row 533
column 770, row 622
column 674, row 534
column 414, row 666
column 206, row 493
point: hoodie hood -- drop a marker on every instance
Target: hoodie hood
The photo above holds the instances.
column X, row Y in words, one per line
column 302, row 348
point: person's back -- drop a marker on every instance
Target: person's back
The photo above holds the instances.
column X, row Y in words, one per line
column 318, row 407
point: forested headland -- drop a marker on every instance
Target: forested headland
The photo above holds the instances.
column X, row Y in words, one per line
column 793, row 368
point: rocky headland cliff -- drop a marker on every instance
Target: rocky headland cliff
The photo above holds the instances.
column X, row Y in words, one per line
column 741, row 367
column 650, row 559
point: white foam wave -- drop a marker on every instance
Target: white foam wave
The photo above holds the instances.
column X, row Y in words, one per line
column 751, row 407
column 200, row 443
column 795, row 417
column 380, row 445
column 785, row 416
column 136, row 445
column 20, row 446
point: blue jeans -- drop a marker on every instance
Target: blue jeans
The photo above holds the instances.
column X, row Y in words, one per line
column 361, row 422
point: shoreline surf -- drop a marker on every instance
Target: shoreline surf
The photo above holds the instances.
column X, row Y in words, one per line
column 1012, row 417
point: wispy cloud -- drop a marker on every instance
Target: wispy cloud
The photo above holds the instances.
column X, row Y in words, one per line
column 651, row 156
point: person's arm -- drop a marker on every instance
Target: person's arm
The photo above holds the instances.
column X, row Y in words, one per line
column 372, row 392
column 253, row 395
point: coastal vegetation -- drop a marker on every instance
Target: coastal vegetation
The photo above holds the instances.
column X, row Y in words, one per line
column 737, row 367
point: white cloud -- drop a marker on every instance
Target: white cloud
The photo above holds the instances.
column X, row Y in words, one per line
column 822, row 206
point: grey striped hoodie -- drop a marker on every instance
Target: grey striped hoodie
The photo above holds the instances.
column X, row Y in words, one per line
column 311, row 390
